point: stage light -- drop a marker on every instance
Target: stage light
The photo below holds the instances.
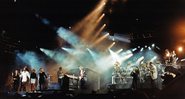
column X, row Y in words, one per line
column 149, row 48
column 158, row 48
column 134, row 49
column 100, row 18
column 48, row 52
column 111, row 45
column 100, row 39
column 88, row 25
column 114, row 55
column 55, row 55
column 70, row 37
column 29, row 58
column 119, row 51
column 138, row 47
column 104, row 3
column 98, row 32
column 93, row 54
column 122, row 38
column 125, row 53
column 113, row 39
column 180, row 49
column 154, row 58
column 124, row 58
column 141, row 49
column 128, row 52
column 69, row 50
column 153, row 45
column 41, row 49
column 145, row 46
column 139, row 59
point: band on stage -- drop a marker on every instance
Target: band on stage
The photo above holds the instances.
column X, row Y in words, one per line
column 28, row 80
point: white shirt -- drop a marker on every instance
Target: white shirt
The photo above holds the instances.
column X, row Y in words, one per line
column 25, row 75
column 154, row 72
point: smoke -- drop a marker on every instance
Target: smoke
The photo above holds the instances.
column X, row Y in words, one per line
column 30, row 59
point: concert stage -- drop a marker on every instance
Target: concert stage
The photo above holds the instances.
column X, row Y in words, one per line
column 53, row 94
column 175, row 90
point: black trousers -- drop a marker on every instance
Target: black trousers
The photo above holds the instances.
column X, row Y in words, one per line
column 135, row 84
column 60, row 82
column 16, row 86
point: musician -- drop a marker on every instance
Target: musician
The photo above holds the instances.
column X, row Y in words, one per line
column 60, row 76
column 65, row 85
column 167, row 56
column 82, row 77
column 135, row 75
column 117, row 67
column 167, row 78
column 42, row 79
column 142, row 71
column 118, row 73
column 20, row 81
column 153, row 74
column 33, row 81
column 16, row 80
column 173, row 58
column 25, row 77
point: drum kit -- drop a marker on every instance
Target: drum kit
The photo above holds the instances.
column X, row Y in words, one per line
column 119, row 75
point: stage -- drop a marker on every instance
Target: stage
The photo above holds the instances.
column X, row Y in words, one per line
column 81, row 94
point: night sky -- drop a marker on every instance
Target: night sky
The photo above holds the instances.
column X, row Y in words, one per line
column 127, row 16
column 155, row 17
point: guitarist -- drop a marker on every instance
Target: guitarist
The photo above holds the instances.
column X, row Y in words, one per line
column 81, row 77
column 153, row 74
column 60, row 76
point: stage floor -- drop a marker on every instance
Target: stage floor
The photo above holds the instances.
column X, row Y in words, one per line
column 56, row 94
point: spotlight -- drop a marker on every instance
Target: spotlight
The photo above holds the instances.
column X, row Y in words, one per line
column 128, row 52
column 149, row 48
column 110, row 46
column 158, row 48
column 119, row 50
column 141, row 49
column 145, row 46
column 134, row 49
column 154, row 58
column 153, row 45
column 113, row 39
column 41, row 49
column 180, row 48
column 139, row 59
column 138, row 47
